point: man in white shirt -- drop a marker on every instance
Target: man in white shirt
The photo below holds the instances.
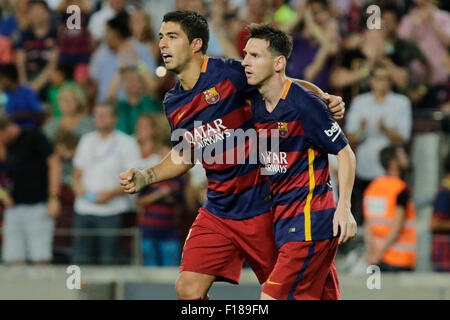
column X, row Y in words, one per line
column 100, row 157
column 375, row 120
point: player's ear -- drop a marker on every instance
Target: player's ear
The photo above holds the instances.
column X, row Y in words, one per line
column 196, row 45
column 280, row 63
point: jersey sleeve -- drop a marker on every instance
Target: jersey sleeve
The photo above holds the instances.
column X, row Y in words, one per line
column 319, row 126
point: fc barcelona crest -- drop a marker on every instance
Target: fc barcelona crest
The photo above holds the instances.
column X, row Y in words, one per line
column 283, row 129
column 211, row 95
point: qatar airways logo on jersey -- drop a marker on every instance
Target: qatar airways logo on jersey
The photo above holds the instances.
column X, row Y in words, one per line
column 215, row 143
column 207, row 134
column 274, row 162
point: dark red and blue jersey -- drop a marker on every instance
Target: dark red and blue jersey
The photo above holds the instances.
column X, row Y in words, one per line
column 212, row 119
column 159, row 218
column 300, row 132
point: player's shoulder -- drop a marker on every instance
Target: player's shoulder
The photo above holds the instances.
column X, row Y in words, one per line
column 224, row 64
column 300, row 97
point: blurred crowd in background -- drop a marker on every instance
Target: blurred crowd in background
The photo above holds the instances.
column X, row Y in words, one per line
column 88, row 101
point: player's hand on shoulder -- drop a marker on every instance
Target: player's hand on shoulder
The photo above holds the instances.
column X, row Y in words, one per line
column 335, row 104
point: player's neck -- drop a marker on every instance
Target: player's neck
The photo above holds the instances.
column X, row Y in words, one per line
column 272, row 90
column 190, row 74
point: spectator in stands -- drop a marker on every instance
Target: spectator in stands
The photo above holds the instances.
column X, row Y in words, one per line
column 390, row 217
column 119, row 47
column 65, row 143
column 34, row 174
column 218, row 45
column 157, row 9
column 352, row 70
column 20, row 102
column 72, row 102
column 403, row 57
column 256, row 13
column 61, row 76
column 97, row 22
column 160, row 205
column 100, row 157
column 13, row 18
column 74, row 44
column 36, row 49
column 429, row 28
column 375, row 120
column 12, row 23
column 315, row 45
column 282, row 12
column 142, row 31
column 440, row 224
column 139, row 85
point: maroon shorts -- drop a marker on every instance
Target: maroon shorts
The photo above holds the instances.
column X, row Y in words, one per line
column 305, row 270
column 218, row 246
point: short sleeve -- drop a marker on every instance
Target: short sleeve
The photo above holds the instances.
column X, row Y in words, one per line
column 80, row 155
column 403, row 198
column 319, row 126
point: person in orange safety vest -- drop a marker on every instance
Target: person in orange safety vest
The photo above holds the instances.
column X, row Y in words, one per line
column 390, row 217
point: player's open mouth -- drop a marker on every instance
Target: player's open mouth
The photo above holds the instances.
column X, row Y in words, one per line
column 166, row 57
column 248, row 73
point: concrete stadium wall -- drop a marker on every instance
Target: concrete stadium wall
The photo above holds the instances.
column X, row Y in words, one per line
column 158, row 283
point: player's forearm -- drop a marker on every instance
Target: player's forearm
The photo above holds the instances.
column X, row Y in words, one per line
column 170, row 167
column 346, row 175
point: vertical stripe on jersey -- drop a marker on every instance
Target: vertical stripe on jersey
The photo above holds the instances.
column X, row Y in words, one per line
column 312, row 185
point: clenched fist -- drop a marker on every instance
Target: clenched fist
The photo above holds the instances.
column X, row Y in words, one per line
column 134, row 180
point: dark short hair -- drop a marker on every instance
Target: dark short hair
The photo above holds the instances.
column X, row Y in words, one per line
column 9, row 71
column 387, row 154
column 192, row 23
column 279, row 41
column 120, row 24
